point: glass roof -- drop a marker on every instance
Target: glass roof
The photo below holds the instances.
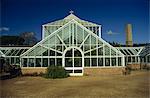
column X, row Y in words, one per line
column 12, row 51
column 132, row 51
column 145, row 51
column 70, row 17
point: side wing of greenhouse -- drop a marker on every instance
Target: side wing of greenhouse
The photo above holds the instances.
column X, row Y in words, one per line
column 132, row 54
column 12, row 54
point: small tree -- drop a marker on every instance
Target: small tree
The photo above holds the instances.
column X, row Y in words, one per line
column 29, row 38
column 56, row 72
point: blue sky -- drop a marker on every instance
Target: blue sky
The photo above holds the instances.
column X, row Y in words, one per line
column 19, row 16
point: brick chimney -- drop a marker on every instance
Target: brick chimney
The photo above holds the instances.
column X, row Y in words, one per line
column 129, row 42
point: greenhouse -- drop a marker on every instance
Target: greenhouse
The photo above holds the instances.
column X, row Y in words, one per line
column 74, row 44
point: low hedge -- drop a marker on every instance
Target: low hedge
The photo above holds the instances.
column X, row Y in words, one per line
column 56, row 72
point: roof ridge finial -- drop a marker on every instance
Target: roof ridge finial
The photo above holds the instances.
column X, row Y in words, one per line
column 71, row 12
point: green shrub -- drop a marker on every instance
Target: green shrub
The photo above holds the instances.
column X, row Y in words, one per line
column 56, row 72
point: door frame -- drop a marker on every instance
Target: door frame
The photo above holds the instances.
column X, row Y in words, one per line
column 73, row 68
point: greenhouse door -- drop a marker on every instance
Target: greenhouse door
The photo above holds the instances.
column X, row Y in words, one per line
column 73, row 61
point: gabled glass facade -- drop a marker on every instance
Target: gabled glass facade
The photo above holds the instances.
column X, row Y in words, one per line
column 74, row 47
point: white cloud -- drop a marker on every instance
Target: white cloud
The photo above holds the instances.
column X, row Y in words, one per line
column 4, row 29
column 111, row 33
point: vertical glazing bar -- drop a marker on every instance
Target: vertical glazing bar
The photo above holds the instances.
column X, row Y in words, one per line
column 97, row 50
column 73, row 58
column 76, row 36
column 90, row 51
column 83, row 39
column 73, row 34
column 48, row 57
column 103, row 55
column 110, row 55
column 116, row 58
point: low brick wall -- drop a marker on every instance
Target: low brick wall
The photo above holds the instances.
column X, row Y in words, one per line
column 145, row 65
column 33, row 69
column 104, row 71
column 87, row 71
column 134, row 66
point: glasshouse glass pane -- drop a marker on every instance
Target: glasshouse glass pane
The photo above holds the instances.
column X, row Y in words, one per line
column 58, row 61
column 93, row 46
column 94, row 61
column 69, row 53
column 119, row 61
column 113, row 61
column 113, row 52
column 31, row 62
column 126, row 60
column 45, row 62
column 24, row 62
column 87, row 54
column 86, row 47
column 87, row 62
column 133, row 59
column 50, row 40
column 129, row 59
column 85, row 34
column 100, row 43
column 31, row 53
column 94, row 52
column 100, row 61
column 17, row 60
column 9, row 52
column 66, row 41
column 66, row 34
column 7, row 60
column 52, row 62
column 82, row 48
column 137, row 59
column 59, row 48
column 87, row 40
column 38, row 62
column 51, row 53
column 60, row 33
column 77, row 53
column 71, row 40
column 77, row 62
column 75, row 34
column 58, row 41
column 100, row 51
column 68, row 62
column 107, row 61
column 107, row 50
column 38, row 51
column 148, row 58
column 12, row 60
column 20, row 52
column 63, row 48
column 93, row 40
column 45, row 53
column 58, row 54
column 80, row 34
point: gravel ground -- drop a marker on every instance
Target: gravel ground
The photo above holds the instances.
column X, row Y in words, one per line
column 135, row 85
